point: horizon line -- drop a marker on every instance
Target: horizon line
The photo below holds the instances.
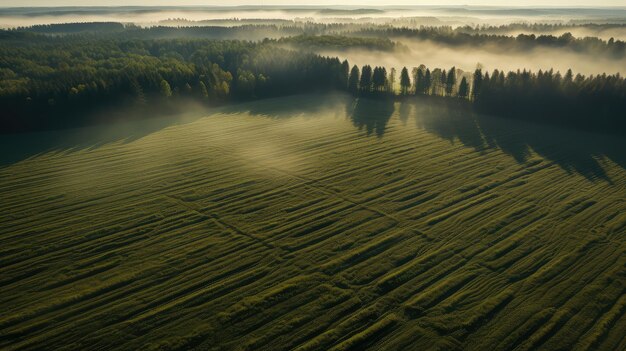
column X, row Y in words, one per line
column 356, row 6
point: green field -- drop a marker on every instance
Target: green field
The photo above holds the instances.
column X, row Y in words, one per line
column 314, row 223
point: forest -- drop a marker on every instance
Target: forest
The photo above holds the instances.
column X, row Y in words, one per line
column 54, row 81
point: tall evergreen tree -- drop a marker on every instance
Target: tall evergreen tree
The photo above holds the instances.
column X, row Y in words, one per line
column 344, row 74
column 379, row 79
column 494, row 78
column 427, row 81
column 442, row 82
column 353, row 81
column 414, row 78
column 365, row 83
column 451, row 81
column 405, row 81
column 391, row 81
column 463, row 88
column 419, row 82
column 477, row 83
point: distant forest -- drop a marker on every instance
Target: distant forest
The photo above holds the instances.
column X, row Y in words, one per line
column 51, row 81
column 462, row 36
column 540, row 27
column 521, row 42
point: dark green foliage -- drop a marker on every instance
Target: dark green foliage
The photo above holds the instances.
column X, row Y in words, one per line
column 340, row 36
column 379, row 79
column 463, row 88
column 344, row 73
column 59, row 80
column 73, row 28
column 594, row 102
column 353, row 82
column 419, row 80
column 451, row 81
column 56, row 81
column 366, row 79
column 427, row 81
column 523, row 42
column 339, row 42
column 442, row 82
column 477, row 83
column 405, row 81
column 166, row 90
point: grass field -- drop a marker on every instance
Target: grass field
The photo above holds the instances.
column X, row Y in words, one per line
column 314, row 223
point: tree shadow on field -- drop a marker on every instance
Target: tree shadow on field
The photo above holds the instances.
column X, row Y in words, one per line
column 305, row 105
column 448, row 122
column 371, row 114
column 123, row 125
column 128, row 124
column 574, row 151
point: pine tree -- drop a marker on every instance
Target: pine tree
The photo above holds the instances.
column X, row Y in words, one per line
column 477, row 83
column 391, row 81
column 419, row 82
column 405, row 81
column 451, row 81
column 379, row 79
column 463, row 88
column 427, row 81
column 442, row 82
column 365, row 83
column 353, row 81
column 344, row 74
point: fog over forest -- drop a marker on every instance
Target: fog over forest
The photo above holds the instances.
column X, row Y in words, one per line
column 605, row 24
column 580, row 22
column 467, row 58
column 418, row 15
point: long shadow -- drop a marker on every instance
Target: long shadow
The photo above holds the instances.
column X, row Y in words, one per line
column 447, row 122
column 121, row 126
column 133, row 123
column 574, row 151
column 371, row 114
column 304, row 105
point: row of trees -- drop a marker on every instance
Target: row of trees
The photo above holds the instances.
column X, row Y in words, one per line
column 421, row 81
column 593, row 102
column 52, row 81
column 370, row 80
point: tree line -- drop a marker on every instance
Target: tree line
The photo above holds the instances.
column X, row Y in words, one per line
column 595, row 28
column 462, row 36
column 56, row 81
column 521, row 42
column 53, row 81
column 594, row 102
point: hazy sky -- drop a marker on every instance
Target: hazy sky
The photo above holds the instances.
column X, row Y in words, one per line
column 568, row 3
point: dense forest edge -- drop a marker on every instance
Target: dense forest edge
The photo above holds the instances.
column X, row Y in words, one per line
column 50, row 80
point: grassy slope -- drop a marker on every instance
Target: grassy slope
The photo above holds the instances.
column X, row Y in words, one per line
column 260, row 227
